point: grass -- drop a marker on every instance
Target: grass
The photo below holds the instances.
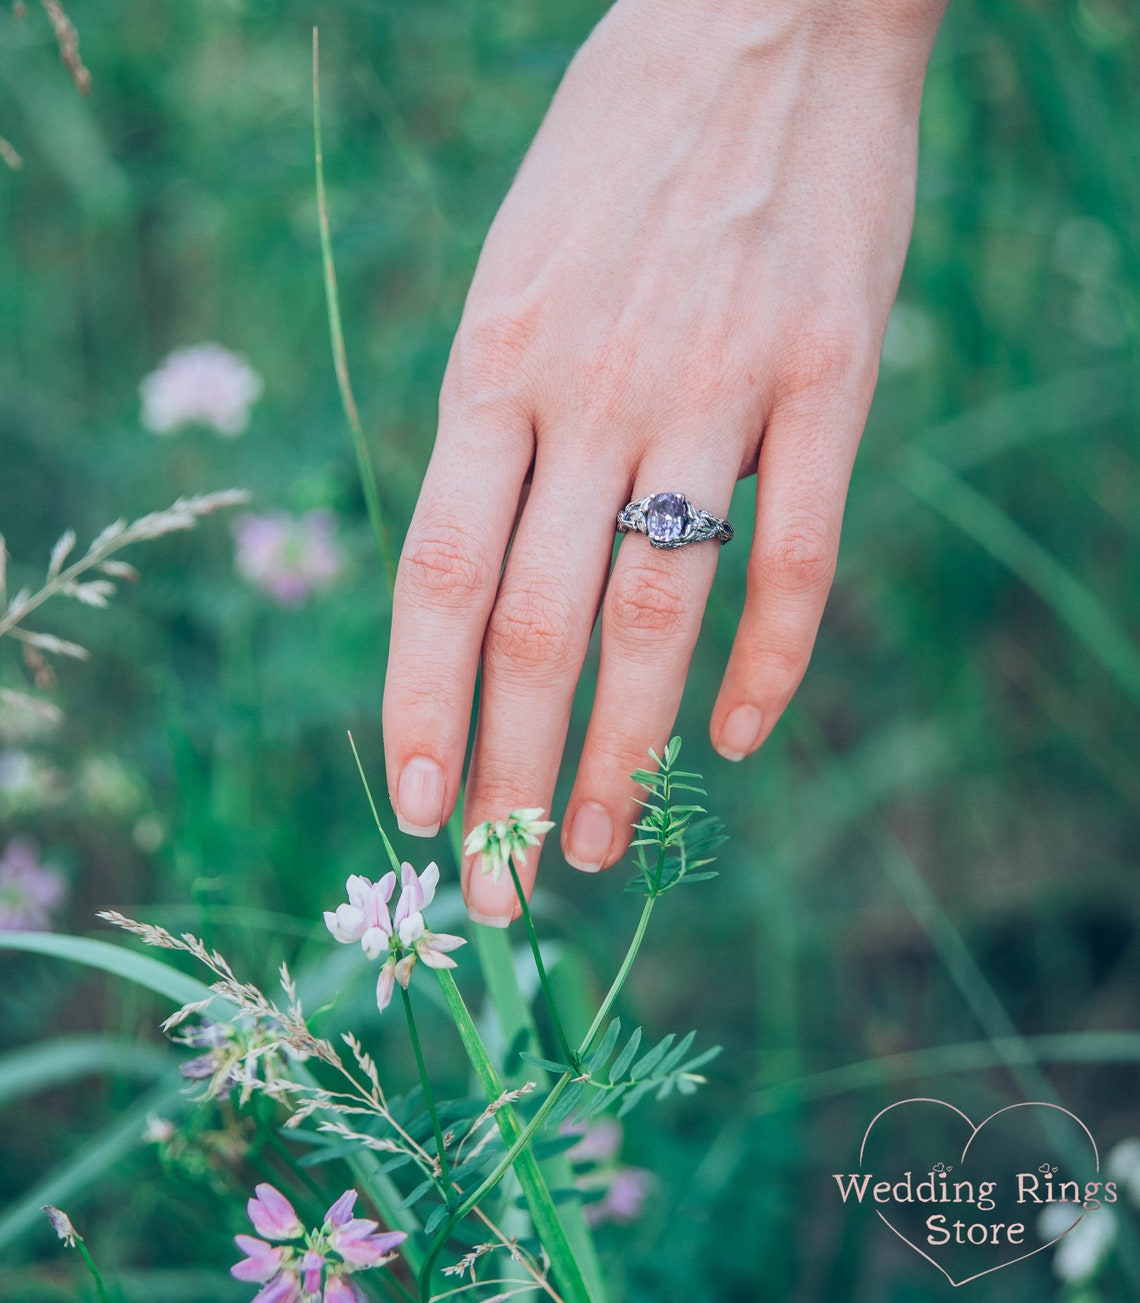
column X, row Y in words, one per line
column 931, row 879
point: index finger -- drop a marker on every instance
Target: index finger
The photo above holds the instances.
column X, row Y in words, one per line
column 445, row 586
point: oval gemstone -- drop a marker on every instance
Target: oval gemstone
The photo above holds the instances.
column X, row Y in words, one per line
column 665, row 517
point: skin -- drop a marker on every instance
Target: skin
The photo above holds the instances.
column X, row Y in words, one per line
column 687, row 284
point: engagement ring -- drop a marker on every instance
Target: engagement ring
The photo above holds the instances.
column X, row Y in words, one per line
column 671, row 520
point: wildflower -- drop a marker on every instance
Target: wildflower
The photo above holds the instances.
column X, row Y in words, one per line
column 289, row 558
column 623, row 1189
column 404, row 935
column 272, row 1214
column 203, row 385
column 623, row 1199
column 29, row 890
column 27, row 783
column 158, row 1130
column 1087, row 1237
column 1123, row 1163
column 61, row 1224
column 310, row 1265
column 238, row 1053
column 507, row 839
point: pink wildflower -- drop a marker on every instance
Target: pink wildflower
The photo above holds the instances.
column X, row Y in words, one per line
column 204, row 385
column 262, row 1261
column 285, row 1288
column 273, row 1215
column 404, row 936
column 338, row 1290
column 625, row 1198
column 362, row 1244
column 623, row 1189
column 29, row 890
column 288, row 557
column 314, row 1266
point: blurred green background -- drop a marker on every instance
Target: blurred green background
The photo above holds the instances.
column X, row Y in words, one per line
column 936, row 848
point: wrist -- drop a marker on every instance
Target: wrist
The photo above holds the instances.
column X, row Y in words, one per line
column 866, row 51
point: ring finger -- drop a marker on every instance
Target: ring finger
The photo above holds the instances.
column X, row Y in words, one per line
column 650, row 620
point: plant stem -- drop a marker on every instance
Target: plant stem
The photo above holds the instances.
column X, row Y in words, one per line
column 563, row 1042
column 532, row 1127
column 336, row 335
column 428, row 1094
column 547, row 1223
column 394, row 859
column 630, row 956
column 101, row 1289
column 523, row 1138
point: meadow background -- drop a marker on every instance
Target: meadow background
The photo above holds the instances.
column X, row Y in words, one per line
column 938, row 846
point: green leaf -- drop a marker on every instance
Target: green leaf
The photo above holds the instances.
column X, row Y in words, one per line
column 118, row 960
column 634, row 1096
column 701, row 1059
column 598, row 1059
column 418, row 1193
column 435, row 1221
column 50, row 1063
column 625, row 1058
column 675, row 1055
column 547, row 1065
column 648, row 1062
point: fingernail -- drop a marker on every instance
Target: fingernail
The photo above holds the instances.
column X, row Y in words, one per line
column 419, row 798
column 489, row 920
column 591, row 835
column 741, row 733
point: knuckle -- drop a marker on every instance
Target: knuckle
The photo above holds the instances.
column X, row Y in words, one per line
column 529, row 631
column 825, row 359
column 645, row 600
column 781, row 664
column 493, row 354
column 799, row 558
column 443, row 567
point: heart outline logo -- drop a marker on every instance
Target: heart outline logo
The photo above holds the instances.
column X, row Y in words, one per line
column 974, row 1130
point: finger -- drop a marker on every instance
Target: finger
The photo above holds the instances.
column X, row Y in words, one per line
column 533, row 651
column 804, row 469
column 445, row 585
column 650, row 619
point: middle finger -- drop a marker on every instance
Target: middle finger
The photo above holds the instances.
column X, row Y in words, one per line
column 533, row 651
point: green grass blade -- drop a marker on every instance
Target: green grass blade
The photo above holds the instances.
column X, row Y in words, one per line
column 973, row 1056
column 547, row 1223
column 89, row 1163
column 340, row 357
column 493, row 947
column 1069, row 600
column 50, row 1063
column 118, row 960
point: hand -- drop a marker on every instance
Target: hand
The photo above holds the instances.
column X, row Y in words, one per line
column 696, row 259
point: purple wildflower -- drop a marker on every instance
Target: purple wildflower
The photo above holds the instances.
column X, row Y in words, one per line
column 404, row 935
column 204, row 385
column 29, row 890
column 272, row 1214
column 313, row 1266
column 262, row 1261
column 624, row 1199
column 623, row 1189
column 288, row 557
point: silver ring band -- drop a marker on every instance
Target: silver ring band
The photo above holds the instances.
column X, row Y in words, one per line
column 671, row 520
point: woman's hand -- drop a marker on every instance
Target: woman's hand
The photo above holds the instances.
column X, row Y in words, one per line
column 696, row 261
